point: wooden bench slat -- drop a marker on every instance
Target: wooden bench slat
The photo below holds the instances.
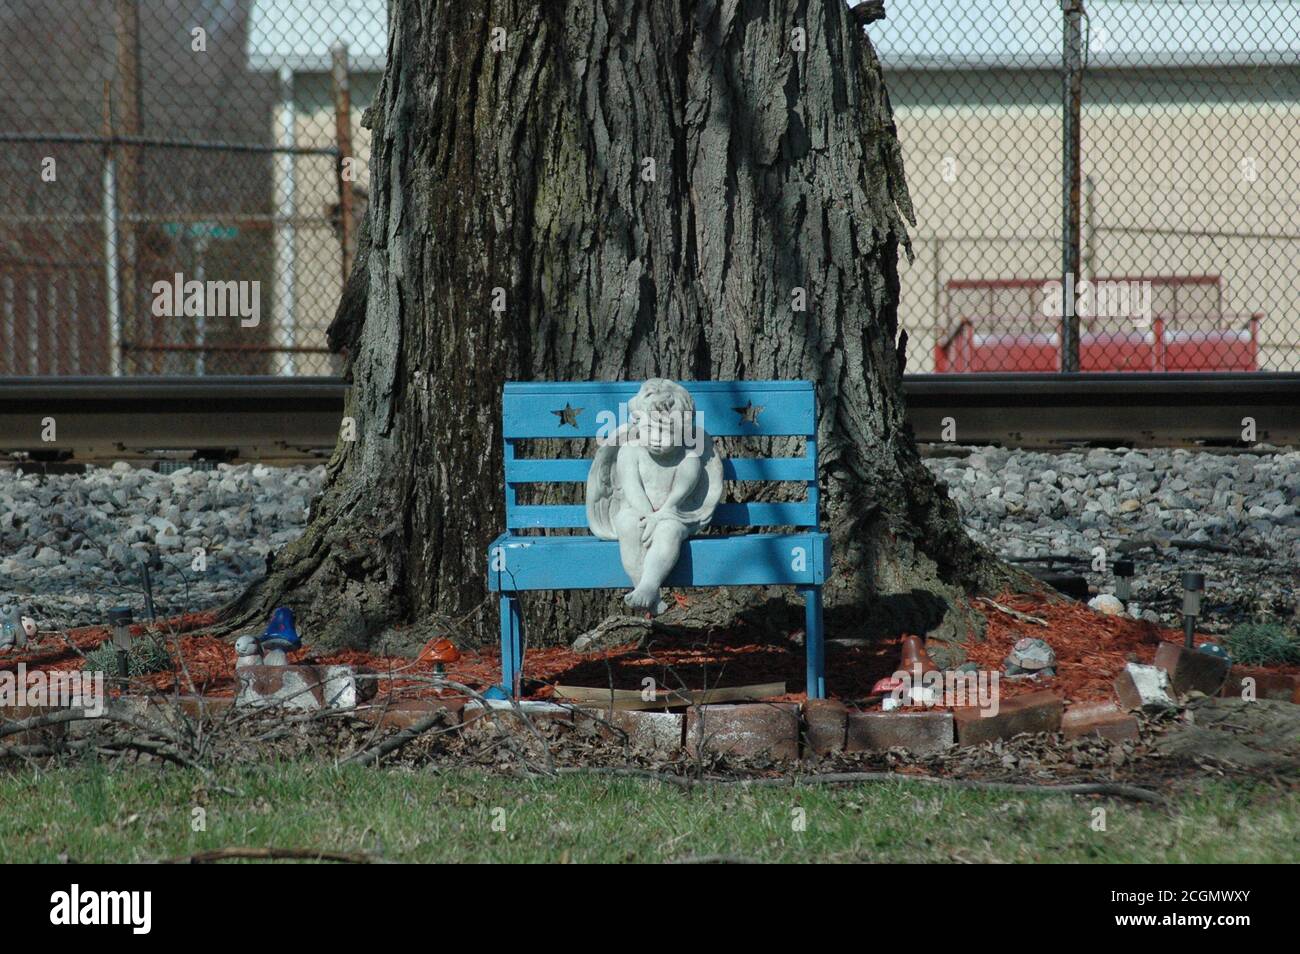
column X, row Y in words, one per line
column 529, row 409
column 575, row 563
column 569, row 470
column 536, row 471
column 556, row 516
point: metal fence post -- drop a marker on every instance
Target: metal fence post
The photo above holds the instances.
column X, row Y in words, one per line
column 1072, row 61
column 343, row 138
column 286, row 233
column 112, row 292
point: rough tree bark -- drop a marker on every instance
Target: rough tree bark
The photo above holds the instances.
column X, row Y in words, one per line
column 775, row 167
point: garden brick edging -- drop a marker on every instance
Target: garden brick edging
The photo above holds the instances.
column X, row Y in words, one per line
column 777, row 730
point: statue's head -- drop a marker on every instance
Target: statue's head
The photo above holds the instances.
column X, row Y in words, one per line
column 664, row 414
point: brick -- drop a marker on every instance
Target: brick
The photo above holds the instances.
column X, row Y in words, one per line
column 505, row 717
column 209, row 707
column 404, row 713
column 1143, row 687
column 1105, row 719
column 659, row 732
column 1190, row 669
column 921, row 733
column 751, row 729
column 1268, row 685
column 1035, row 712
column 824, row 725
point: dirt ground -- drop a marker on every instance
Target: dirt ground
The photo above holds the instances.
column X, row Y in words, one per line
column 1209, row 737
column 1091, row 649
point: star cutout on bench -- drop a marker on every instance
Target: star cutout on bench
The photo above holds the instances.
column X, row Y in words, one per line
column 568, row 415
column 749, row 413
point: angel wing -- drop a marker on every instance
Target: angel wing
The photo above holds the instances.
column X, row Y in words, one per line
column 602, row 487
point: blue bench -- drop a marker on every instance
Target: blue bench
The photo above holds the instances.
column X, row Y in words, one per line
column 518, row 563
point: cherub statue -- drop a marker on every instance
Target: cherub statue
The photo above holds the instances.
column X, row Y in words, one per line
column 654, row 482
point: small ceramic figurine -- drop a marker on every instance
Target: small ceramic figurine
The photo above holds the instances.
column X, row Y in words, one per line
column 15, row 629
column 247, row 652
column 653, row 483
column 281, row 637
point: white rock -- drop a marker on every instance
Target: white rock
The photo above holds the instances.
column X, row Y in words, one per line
column 1107, row 604
column 1152, row 686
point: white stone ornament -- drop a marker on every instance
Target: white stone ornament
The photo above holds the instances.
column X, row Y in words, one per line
column 248, row 652
column 653, row 483
column 15, row 629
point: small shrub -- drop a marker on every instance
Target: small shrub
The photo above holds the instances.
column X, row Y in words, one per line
column 1263, row 644
column 145, row 656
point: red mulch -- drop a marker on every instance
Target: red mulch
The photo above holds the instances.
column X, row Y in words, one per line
column 1090, row 648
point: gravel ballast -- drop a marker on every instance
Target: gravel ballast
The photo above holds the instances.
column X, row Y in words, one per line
column 70, row 543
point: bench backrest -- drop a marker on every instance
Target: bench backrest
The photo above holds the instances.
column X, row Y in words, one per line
column 533, row 410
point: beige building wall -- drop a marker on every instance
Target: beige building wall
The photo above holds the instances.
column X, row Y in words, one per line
column 318, row 252
column 1176, row 189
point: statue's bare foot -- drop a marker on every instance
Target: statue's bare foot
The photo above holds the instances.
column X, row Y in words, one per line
column 645, row 598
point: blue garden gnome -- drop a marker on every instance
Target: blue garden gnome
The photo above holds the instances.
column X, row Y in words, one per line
column 281, row 637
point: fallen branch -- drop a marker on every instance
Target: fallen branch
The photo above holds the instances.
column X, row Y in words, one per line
column 270, row 854
column 713, row 860
column 1014, row 613
column 367, row 756
column 609, row 632
column 397, row 740
column 1113, row 789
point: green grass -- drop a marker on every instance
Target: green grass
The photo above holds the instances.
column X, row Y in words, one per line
column 144, row 657
column 88, row 813
column 1263, row 644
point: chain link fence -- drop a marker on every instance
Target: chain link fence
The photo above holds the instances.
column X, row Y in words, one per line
column 180, row 181
column 218, row 142
column 1187, row 183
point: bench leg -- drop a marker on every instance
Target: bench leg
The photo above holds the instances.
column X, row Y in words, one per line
column 512, row 645
column 814, row 641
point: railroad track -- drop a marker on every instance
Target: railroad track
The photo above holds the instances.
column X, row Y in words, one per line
column 283, row 419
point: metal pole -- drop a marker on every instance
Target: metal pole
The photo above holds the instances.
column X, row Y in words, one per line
column 284, row 325
column 112, row 298
column 127, row 35
column 1072, row 56
column 147, row 579
column 201, row 325
column 343, row 134
column 1090, row 230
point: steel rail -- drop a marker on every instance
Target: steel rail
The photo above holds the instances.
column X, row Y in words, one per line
column 278, row 418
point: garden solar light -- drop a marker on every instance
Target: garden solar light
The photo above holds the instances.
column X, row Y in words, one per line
column 1124, row 580
column 147, row 579
column 119, row 620
column 1193, row 587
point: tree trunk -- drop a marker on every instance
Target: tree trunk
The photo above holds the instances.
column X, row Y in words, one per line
column 649, row 188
